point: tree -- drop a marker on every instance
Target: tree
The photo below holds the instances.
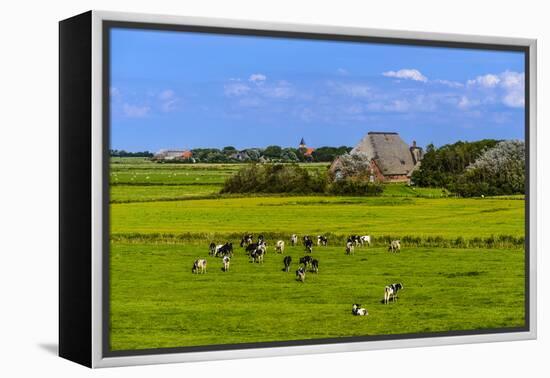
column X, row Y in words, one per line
column 328, row 154
column 228, row 150
column 442, row 166
column 352, row 166
column 272, row 152
column 289, row 155
column 498, row 171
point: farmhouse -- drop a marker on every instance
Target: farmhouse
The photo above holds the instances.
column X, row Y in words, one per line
column 391, row 159
column 173, row 155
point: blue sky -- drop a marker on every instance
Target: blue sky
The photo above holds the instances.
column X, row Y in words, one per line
column 189, row 90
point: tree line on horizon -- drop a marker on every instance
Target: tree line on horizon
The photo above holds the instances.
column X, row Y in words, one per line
column 230, row 154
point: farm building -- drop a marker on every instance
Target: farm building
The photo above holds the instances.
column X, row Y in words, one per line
column 391, row 159
column 173, row 155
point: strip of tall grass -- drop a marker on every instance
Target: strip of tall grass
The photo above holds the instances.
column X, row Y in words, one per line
column 493, row 241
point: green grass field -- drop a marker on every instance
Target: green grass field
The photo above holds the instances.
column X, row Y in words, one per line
column 164, row 215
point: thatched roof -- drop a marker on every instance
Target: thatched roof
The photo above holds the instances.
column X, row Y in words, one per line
column 391, row 154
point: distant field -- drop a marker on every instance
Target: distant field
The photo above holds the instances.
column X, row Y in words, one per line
column 448, row 217
column 164, row 215
column 156, row 301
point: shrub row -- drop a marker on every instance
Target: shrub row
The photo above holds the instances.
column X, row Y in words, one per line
column 293, row 179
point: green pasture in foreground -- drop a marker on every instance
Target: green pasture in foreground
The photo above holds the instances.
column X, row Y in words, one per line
column 446, row 217
column 157, row 302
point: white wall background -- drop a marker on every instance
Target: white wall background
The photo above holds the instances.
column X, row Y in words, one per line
column 28, row 198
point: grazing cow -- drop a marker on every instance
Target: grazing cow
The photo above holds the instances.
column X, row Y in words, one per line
column 258, row 255
column 287, row 260
column 293, row 240
column 226, row 260
column 261, row 239
column 301, row 274
column 354, row 239
column 306, row 260
column 322, row 240
column 309, row 245
column 357, row 310
column 350, row 248
column 390, row 292
column 280, row 246
column 305, row 239
column 224, row 249
column 212, row 248
column 251, row 248
column 246, row 240
column 365, row 239
column 315, row 265
column 395, row 246
column 199, row 266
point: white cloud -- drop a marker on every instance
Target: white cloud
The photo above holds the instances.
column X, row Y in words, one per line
column 257, row 78
column 168, row 100
column 135, row 111
column 281, row 90
column 398, row 106
column 407, row 73
column 485, row 81
column 509, row 85
column 514, row 86
column 466, row 103
column 449, row 83
column 235, row 89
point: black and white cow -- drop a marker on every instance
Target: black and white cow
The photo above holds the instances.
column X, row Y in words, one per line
column 395, row 246
column 261, row 239
column 390, row 292
column 309, row 245
column 354, row 239
column 293, row 239
column 315, row 265
column 246, row 240
column 301, row 274
column 224, row 249
column 364, row 240
column 251, row 248
column 258, row 254
column 357, row 310
column 350, row 248
column 280, row 246
column 322, row 240
column 199, row 266
column 226, row 259
column 306, row 260
column 287, row 260
column 212, row 248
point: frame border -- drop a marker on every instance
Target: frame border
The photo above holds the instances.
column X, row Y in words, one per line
column 101, row 24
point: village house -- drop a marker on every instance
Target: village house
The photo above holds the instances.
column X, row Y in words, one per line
column 173, row 155
column 391, row 159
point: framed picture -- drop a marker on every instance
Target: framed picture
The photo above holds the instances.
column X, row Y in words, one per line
column 233, row 189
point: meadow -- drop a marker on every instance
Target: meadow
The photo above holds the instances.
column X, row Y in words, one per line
column 462, row 262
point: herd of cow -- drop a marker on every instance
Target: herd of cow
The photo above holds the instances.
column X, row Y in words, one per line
column 257, row 250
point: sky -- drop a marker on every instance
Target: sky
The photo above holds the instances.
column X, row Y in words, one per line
column 191, row 90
